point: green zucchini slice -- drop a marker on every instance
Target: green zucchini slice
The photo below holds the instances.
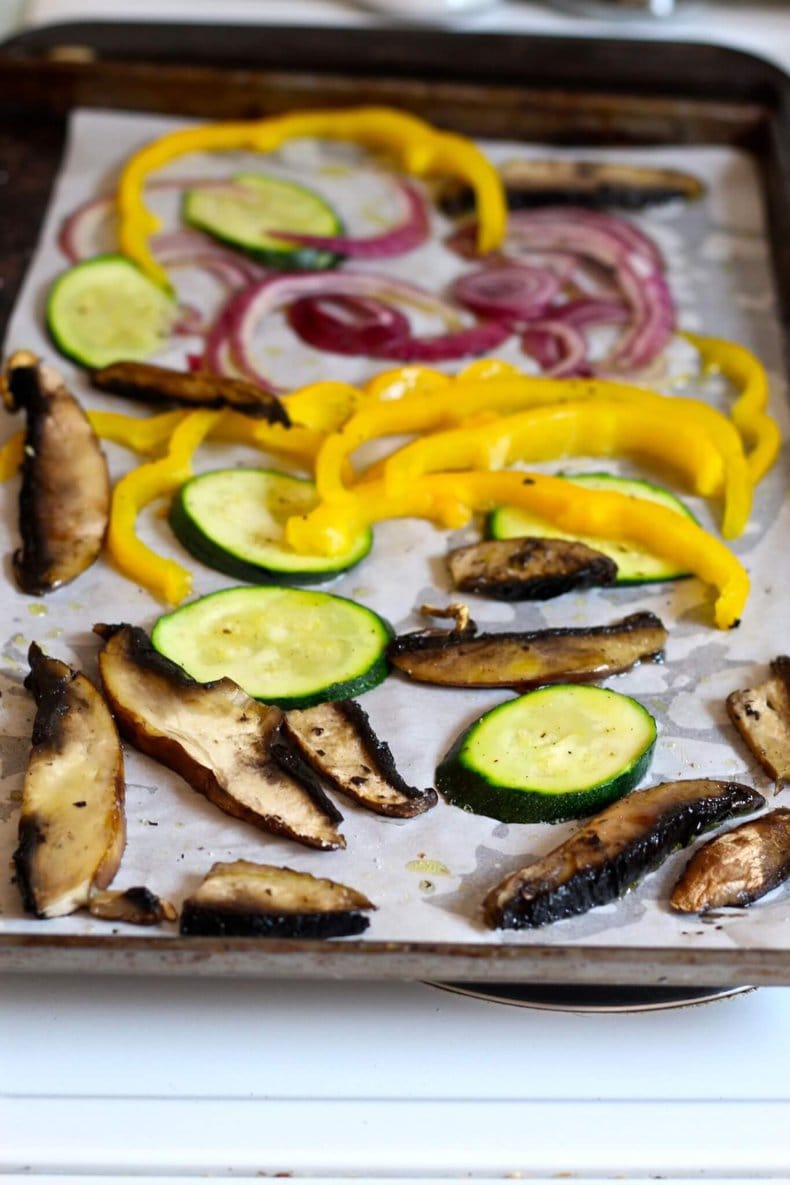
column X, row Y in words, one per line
column 233, row 520
column 634, row 566
column 292, row 647
column 107, row 310
column 244, row 212
column 560, row 752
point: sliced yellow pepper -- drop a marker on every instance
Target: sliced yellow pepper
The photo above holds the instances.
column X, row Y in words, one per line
column 742, row 368
column 449, row 499
column 12, row 454
column 416, row 146
column 323, row 406
column 163, row 577
column 146, row 435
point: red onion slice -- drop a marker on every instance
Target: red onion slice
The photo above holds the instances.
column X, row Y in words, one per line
column 512, row 293
column 347, row 324
column 447, row 347
column 408, row 234
column 559, row 348
column 625, row 232
column 587, row 311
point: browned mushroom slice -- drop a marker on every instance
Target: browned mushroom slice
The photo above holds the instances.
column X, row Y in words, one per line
column 218, row 739
column 338, row 741
column 579, row 182
column 611, row 852
column 737, row 867
column 64, row 501
column 528, row 569
column 158, row 384
column 762, row 716
column 247, row 900
column 524, row 660
column 137, row 906
column 72, row 829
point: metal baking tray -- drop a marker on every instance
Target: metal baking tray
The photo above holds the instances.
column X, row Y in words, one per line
column 549, row 91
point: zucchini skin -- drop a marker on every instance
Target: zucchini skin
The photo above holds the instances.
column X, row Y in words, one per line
column 592, row 869
column 221, row 560
column 472, row 792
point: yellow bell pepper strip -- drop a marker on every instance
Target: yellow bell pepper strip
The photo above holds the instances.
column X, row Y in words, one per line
column 595, row 428
column 748, row 413
column 323, row 406
column 415, row 145
column 163, row 577
column 301, row 444
column 405, row 380
column 12, row 454
column 450, row 499
column 146, row 435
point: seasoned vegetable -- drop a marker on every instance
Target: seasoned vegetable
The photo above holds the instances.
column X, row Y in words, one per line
column 218, row 739
column 558, row 753
column 72, row 828
column 762, row 716
column 610, row 853
column 245, row 213
column 528, row 569
column 246, row 900
column 291, row 647
column 234, row 520
column 106, row 310
column 158, row 384
column 738, row 867
column 634, row 564
column 338, row 741
column 524, row 660
column 137, row 906
column 64, row 500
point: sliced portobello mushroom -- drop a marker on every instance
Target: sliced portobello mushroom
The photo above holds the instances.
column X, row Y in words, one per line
column 462, row 658
column 72, row 829
column 64, row 501
column 762, row 716
column 159, row 384
column 339, row 743
column 528, row 569
column 579, row 183
column 224, row 744
column 137, row 906
column 738, row 867
column 614, row 850
column 246, row 900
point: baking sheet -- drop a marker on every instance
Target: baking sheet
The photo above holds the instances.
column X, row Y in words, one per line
column 428, row 875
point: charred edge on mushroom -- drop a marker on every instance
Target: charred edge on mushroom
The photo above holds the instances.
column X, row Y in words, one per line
column 528, row 569
column 234, row 767
column 245, row 900
column 529, row 659
column 578, row 183
column 738, row 867
column 64, row 499
column 613, row 851
column 158, row 384
column 338, row 740
column 137, row 906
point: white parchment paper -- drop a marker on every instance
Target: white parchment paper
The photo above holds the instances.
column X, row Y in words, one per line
column 428, row 875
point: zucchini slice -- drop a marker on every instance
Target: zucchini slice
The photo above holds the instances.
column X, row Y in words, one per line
column 245, row 212
column 558, row 753
column 233, row 520
column 634, row 566
column 107, row 310
column 291, row 647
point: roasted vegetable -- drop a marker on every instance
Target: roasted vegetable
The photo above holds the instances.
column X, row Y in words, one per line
column 608, row 855
column 218, row 739
column 64, row 501
column 137, row 906
column 737, row 867
column 528, row 569
column 158, row 384
column 72, row 829
column 762, row 716
column 524, row 660
column 247, row 900
column 338, row 741
column 579, row 183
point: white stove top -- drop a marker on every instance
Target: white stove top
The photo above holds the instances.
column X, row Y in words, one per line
column 104, row 1078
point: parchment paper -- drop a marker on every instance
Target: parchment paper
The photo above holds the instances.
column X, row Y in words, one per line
column 428, row 875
